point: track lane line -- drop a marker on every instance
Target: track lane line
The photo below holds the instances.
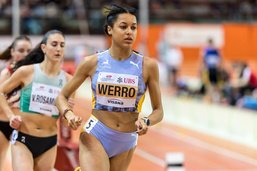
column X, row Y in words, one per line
column 204, row 145
column 156, row 160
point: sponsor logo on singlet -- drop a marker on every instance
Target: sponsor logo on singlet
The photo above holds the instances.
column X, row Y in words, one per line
column 117, row 90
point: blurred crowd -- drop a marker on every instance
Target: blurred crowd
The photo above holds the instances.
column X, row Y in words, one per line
column 236, row 87
column 231, row 83
column 80, row 16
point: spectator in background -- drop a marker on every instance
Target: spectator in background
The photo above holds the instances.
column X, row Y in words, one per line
column 30, row 25
column 79, row 53
column 173, row 60
column 244, row 84
column 162, row 47
column 249, row 101
column 247, row 79
column 246, row 10
column 210, row 70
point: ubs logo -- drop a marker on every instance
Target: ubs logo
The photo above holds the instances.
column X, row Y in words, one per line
column 119, row 80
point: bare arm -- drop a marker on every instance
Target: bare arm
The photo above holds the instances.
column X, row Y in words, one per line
column 84, row 70
column 71, row 98
column 19, row 78
column 5, row 74
column 151, row 76
column 152, row 71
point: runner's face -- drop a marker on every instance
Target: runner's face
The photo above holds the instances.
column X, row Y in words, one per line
column 54, row 47
column 20, row 50
column 124, row 30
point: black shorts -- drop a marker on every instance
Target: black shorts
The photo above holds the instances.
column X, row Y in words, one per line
column 37, row 145
column 213, row 75
column 6, row 129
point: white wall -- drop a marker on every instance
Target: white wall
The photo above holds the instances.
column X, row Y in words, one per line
column 237, row 125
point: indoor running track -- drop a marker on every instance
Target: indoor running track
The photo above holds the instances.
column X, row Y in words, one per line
column 201, row 152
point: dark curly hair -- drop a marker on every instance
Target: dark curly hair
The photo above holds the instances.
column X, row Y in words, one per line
column 112, row 12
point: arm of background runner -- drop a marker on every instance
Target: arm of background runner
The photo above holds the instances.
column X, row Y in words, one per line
column 21, row 77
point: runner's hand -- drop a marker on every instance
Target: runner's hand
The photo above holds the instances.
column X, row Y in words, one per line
column 15, row 121
column 141, row 127
column 73, row 121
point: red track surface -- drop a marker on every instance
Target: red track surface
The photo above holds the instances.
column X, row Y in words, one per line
column 201, row 152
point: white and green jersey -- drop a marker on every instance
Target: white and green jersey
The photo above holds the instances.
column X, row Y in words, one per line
column 39, row 96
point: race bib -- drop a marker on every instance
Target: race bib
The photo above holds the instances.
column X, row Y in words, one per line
column 14, row 136
column 117, row 90
column 43, row 99
column 90, row 124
